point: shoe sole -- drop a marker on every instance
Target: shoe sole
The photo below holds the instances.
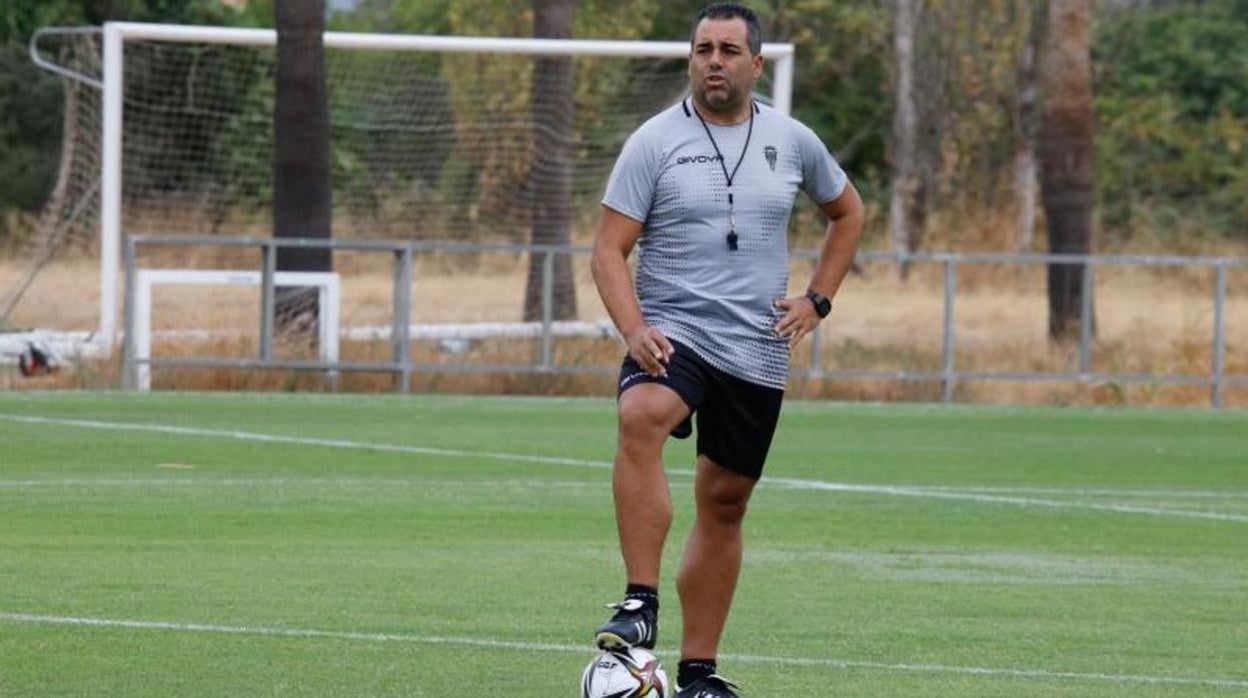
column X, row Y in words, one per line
column 610, row 642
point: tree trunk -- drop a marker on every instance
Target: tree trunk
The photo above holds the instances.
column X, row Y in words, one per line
column 301, row 182
column 550, row 172
column 1066, row 157
column 906, row 206
column 1027, row 87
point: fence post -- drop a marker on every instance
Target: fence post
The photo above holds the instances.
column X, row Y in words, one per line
column 548, row 291
column 401, row 333
column 1085, row 319
column 1219, row 332
column 947, row 381
column 128, row 368
column 816, row 346
column 267, row 300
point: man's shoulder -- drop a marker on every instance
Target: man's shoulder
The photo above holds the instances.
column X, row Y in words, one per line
column 663, row 124
column 776, row 119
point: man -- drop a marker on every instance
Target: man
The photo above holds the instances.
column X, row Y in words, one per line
column 705, row 190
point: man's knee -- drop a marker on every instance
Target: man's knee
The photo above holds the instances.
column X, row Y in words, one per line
column 725, row 498
column 726, row 509
column 646, row 417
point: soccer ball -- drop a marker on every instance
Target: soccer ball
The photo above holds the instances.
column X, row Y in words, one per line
column 625, row 674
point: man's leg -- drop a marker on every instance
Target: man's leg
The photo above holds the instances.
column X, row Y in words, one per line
column 712, row 561
column 643, row 507
column 643, row 510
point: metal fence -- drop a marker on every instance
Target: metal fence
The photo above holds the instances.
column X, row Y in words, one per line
column 400, row 331
column 1216, row 379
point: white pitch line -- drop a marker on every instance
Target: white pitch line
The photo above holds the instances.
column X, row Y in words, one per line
column 1090, row 492
column 583, row 649
column 790, row 483
column 917, row 490
column 904, row 491
column 288, row 482
column 300, row 441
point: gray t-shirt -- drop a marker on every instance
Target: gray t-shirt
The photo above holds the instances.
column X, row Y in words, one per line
column 691, row 286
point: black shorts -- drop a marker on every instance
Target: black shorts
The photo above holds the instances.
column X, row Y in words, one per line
column 736, row 418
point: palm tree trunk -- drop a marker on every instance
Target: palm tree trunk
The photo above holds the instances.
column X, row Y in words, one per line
column 905, row 200
column 301, row 182
column 1066, row 157
column 550, row 173
column 1027, row 88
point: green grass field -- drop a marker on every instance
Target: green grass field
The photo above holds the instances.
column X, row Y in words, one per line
column 283, row 545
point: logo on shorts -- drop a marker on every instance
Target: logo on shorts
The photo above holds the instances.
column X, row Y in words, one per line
column 632, row 377
column 770, row 153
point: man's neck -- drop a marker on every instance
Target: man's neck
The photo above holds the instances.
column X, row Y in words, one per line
column 731, row 117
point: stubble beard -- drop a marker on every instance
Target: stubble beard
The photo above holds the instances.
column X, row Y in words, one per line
column 726, row 102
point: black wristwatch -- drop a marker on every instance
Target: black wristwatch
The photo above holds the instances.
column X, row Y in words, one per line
column 823, row 306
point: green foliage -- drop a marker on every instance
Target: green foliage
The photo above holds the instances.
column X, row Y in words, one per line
column 1171, row 96
column 30, row 106
column 841, row 82
column 409, row 16
column 1172, row 111
column 30, row 132
column 980, row 95
column 20, row 18
column 497, row 174
column 31, row 103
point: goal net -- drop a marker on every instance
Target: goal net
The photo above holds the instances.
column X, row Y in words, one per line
column 169, row 130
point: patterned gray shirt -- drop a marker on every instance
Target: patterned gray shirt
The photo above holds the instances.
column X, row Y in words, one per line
column 691, row 286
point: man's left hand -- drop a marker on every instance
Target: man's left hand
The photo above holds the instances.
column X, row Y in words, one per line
column 799, row 319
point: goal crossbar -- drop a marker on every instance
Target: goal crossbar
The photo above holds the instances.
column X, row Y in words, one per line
column 424, row 42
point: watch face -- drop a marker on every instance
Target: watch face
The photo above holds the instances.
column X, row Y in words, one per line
column 823, row 306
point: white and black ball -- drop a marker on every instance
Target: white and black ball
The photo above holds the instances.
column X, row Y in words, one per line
column 625, row 674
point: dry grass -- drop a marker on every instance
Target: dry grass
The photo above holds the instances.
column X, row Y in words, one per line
column 1148, row 321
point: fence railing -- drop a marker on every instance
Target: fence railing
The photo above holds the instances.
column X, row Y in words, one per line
column 400, row 331
column 1216, row 379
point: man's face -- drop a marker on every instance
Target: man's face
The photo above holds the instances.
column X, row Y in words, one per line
column 722, row 71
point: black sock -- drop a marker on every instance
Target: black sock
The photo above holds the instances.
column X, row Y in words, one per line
column 690, row 670
column 647, row 595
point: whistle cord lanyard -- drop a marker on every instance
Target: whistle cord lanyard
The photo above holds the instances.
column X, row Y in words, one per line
column 732, row 219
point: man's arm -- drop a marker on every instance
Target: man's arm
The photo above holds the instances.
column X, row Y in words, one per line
column 840, row 244
column 614, row 238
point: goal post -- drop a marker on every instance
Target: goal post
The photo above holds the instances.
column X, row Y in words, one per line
column 486, row 159
column 329, row 296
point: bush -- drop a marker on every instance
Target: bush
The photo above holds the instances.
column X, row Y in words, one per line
column 1172, row 111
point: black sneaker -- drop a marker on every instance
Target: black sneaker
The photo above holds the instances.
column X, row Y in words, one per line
column 713, row 686
column 635, row 624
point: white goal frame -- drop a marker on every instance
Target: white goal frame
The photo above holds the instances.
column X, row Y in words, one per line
column 116, row 34
column 329, row 294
